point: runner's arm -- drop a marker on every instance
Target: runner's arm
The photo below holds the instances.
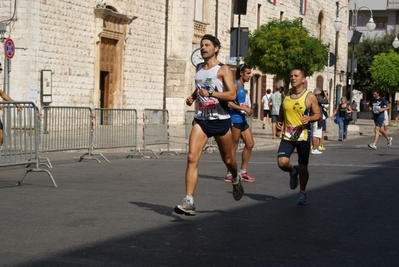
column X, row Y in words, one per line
column 226, row 76
column 313, row 105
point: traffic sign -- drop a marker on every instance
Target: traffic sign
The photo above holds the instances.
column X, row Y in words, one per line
column 9, row 48
column 332, row 59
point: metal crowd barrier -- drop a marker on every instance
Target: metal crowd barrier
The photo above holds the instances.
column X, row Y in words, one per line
column 21, row 146
column 155, row 132
column 68, row 128
column 115, row 128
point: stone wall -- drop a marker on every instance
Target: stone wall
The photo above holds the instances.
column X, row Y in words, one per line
column 63, row 36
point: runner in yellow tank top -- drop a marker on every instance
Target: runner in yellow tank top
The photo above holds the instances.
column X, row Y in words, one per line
column 299, row 108
column 294, row 108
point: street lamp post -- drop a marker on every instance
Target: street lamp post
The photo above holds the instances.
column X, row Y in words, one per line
column 395, row 42
column 338, row 26
column 334, row 93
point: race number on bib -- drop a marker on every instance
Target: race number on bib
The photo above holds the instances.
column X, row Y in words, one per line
column 207, row 105
column 294, row 132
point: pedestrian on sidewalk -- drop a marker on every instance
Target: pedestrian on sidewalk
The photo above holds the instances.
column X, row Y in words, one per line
column 275, row 103
column 342, row 109
column 317, row 126
column 266, row 109
column 298, row 110
column 385, row 124
column 324, row 113
column 377, row 106
column 214, row 88
column 396, row 113
column 240, row 127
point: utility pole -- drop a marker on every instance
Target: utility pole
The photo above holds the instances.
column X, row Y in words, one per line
column 238, row 40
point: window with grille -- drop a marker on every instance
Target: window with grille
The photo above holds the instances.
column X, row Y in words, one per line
column 381, row 23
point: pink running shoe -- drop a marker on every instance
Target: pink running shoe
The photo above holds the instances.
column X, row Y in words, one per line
column 247, row 178
column 228, row 177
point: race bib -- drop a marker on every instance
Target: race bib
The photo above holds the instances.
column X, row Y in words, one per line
column 243, row 105
column 294, row 132
column 207, row 105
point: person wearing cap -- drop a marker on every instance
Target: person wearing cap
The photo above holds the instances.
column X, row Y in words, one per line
column 215, row 86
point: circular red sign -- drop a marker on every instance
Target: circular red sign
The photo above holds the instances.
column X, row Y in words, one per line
column 9, row 48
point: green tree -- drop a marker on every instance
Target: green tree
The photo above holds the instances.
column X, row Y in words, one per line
column 365, row 53
column 385, row 72
column 278, row 46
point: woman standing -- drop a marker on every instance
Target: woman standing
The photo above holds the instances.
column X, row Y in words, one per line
column 342, row 109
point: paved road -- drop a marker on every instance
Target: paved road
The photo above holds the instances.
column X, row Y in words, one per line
column 121, row 213
column 263, row 137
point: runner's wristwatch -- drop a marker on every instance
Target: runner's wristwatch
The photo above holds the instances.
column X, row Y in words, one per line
column 210, row 92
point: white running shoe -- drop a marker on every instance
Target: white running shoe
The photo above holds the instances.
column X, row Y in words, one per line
column 390, row 141
column 372, row 146
column 316, row 152
column 185, row 208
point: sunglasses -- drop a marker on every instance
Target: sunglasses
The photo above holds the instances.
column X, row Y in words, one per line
column 243, row 67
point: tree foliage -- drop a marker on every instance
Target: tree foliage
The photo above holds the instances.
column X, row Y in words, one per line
column 279, row 46
column 365, row 53
column 385, row 71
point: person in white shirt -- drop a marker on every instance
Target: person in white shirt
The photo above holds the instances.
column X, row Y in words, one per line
column 214, row 87
column 247, row 99
column 266, row 108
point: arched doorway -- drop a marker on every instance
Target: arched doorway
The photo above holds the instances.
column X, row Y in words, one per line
column 319, row 82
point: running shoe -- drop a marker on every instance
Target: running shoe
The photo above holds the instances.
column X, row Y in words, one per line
column 322, row 148
column 238, row 190
column 390, row 141
column 372, row 146
column 228, row 177
column 185, row 208
column 245, row 177
column 302, row 199
column 294, row 178
column 316, row 152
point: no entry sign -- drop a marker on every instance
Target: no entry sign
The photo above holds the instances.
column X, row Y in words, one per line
column 9, row 48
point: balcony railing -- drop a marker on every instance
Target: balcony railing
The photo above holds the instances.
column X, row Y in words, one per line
column 392, row 4
column 199, row 30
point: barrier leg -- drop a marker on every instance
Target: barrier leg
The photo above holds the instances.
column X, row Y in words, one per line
column 38, row 170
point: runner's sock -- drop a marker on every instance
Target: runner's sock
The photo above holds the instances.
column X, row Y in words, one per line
column 191, row 198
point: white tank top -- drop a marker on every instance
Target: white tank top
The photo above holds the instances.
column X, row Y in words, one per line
column 210, row 108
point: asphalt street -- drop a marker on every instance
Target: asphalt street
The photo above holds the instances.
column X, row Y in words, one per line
column 121, row 213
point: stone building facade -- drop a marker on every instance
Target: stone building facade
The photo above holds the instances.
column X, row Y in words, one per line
column 136, row 54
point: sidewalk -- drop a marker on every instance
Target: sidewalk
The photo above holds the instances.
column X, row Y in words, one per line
column 263, row 137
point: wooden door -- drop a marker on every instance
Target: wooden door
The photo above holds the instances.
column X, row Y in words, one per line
column 107, row 72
